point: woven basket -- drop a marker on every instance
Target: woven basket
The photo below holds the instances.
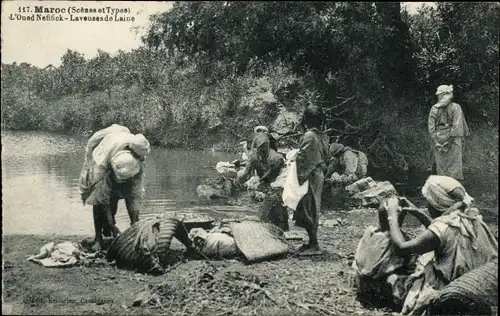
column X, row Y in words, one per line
column 258, row 241
column 474, row 293
column 274, row 212
column 168, row 229
column 123, row 252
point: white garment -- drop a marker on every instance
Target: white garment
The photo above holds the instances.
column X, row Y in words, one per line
column 65, row 254
column 292, row 191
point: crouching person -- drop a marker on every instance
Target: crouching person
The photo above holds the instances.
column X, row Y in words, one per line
column 113, row 170
column 346, row 165
column 455, row 241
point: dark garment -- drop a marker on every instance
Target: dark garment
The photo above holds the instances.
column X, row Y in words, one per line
column 313, row 152
column 307, row 213
column 311, row 161
column 273, row 164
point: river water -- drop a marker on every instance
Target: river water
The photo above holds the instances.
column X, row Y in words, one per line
column 40, row 183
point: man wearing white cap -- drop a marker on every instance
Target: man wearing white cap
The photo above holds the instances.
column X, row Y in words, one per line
column 447, row 129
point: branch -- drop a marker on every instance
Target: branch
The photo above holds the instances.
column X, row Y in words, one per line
column 350, row 126
column 342, row 103
column 289, row 135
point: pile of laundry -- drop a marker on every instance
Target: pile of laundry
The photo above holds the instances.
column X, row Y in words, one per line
column 65, row 254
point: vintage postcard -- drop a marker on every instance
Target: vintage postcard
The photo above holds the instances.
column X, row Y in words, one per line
column 249, row 157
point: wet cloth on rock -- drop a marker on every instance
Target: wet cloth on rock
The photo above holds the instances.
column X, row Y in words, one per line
column 375, row 255
column 217, row 243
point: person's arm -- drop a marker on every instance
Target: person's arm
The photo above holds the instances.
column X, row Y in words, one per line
column 329, row 169
column 425, row 242
column 303, row 161
column 248, row 169
column 420, row 215
column 274, row 168
column 431, row 125
column 457, row 125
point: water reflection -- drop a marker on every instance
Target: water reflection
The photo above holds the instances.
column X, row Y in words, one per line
column 40, row 183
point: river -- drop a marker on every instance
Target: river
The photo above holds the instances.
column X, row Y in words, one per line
column 40, row 183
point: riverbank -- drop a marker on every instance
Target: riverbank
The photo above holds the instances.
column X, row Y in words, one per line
column 293, row 286
column 32, row 289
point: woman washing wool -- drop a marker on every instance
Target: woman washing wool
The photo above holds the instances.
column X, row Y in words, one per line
column 268, row 164
column 455, row 241
column 113, row 170
column 311, row 164
column 264, row 160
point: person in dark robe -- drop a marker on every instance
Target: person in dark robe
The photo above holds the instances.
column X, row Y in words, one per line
column 311, row 166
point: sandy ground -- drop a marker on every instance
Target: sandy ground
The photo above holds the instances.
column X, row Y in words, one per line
column 292, row 286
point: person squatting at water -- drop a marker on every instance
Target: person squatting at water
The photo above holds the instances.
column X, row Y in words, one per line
column 268, row 164
column 346, row 165
column 263, row 159
column 447, row 129
column 311, row 166
column 113, row 169
column 455, row 241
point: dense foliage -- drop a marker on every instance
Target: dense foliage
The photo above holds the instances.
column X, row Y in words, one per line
column 367, row 63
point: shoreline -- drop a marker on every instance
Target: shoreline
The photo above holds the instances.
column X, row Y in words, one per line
column 103, row 289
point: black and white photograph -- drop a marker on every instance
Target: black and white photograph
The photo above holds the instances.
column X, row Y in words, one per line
column 249, row 158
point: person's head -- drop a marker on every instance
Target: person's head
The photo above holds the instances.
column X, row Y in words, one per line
column 260, row 129
column 125, row 166
column 444, row 92
column 261, row 144
column 443, row 193
column 336, row 149
column 313, row 117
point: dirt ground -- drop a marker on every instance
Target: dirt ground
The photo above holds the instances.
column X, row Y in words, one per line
column 291, row 286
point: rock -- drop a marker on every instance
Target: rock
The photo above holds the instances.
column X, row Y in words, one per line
column 285, row 122
column 227, row 169
column 240, row 173
column 259, row 96
column 259, row 196
column 209, row 192
column 142, row 298
column 330, row 223
column 360, row 186
column 373, row 196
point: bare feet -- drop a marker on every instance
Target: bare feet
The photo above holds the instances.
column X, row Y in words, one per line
column 311, row 250
column 303, row 248
column 97, row 247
